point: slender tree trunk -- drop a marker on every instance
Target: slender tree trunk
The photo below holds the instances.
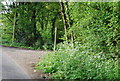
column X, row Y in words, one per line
column 34, row 23
column 55, row 38
column 64, row 18
column 42, row 25
column 42, row 28
column 34, row 26
column 68, row 18
column 53, row 29
column 14, row 24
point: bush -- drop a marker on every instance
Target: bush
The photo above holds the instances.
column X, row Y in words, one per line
column 73, row 63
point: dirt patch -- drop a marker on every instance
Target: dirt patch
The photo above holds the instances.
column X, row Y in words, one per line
column 27, row 59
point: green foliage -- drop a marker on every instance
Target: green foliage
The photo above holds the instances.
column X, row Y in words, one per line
column 96, row 30
column 96, row 24
column 78, row 63
column 34, row 24
column 6, row 30
column 93, row 25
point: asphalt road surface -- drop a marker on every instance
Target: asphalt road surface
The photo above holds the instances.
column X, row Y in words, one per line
column 10, row 69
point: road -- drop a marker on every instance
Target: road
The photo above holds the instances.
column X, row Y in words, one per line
column 10, row 69
column 0, row 63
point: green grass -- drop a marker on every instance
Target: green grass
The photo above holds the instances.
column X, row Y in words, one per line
column 17, row 45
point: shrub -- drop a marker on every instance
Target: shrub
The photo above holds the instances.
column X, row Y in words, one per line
column 73, row 63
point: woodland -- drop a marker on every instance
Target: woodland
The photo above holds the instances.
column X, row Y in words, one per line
column 84, row 37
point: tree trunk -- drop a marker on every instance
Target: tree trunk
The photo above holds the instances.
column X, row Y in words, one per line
column 14, row 24
column 55, row 38
column 69, row 25
column 64, row 18
column 34, row 26
column 53, row 28
column 42, row 28
column 42, row 25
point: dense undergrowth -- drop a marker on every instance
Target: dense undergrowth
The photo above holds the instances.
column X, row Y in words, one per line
column 78, row 63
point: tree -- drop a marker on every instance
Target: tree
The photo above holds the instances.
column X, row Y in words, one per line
column 64, row 18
